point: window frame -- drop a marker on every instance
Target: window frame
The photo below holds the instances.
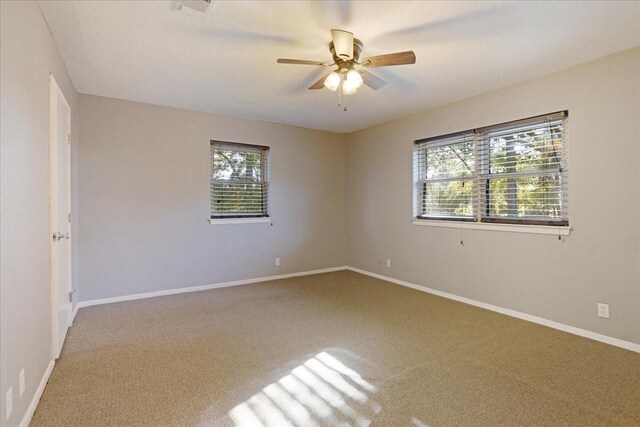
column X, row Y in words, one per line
column 235, row 217
column 481, row 177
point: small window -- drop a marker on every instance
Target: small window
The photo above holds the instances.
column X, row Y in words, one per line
column 511, row 173
column 239, row 180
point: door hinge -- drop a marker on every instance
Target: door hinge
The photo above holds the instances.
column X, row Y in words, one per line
column 69, row 139
column 70, row 296
column 60, row 236
column 69, row 218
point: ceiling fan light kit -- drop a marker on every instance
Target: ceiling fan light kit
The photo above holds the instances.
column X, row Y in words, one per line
column 346, row 79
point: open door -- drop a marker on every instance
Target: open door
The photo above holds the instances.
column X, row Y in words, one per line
column 60, row 214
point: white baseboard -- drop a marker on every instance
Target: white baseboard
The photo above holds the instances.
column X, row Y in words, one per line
column 74, row 313
column 513, row 313
column 36, row 397
column 204, row 287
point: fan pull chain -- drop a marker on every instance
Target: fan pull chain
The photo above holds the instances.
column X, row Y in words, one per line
column 342, row 97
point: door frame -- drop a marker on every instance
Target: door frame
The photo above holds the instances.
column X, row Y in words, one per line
column 55, row 93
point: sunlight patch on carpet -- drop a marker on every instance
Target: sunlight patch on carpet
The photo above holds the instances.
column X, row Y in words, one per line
column 321, row 390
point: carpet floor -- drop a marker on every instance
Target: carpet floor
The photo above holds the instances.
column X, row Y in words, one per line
column 330, row 349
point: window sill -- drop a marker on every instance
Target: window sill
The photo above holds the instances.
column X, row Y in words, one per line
column 220, row 221
column 514, row 228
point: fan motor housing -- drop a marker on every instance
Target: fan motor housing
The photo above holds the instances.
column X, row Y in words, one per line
column 357, row 49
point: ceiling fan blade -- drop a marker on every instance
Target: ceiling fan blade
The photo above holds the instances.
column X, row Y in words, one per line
column 374, row 82
column 398, row 58
column 300, row 62
column 343, row 43
column 320, row 83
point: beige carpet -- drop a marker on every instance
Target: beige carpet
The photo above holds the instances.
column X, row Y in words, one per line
column 331, row 349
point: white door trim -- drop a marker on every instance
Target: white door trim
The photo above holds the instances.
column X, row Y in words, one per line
column 55, row 93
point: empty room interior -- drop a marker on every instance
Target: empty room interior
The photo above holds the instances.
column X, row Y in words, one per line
column 320, row 213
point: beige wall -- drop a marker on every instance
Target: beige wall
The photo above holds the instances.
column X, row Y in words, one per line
column 144, row 200
column 535, row 274
column 28, row 55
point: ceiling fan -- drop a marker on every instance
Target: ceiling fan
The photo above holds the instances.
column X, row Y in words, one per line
column 346, row 50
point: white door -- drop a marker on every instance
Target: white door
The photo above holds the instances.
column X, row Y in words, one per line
column 60, row 215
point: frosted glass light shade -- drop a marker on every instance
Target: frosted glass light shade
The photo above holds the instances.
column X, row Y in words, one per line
column 348, row 87
column 332, row 81
column 354, row 78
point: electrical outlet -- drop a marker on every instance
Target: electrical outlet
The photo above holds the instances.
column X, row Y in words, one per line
column 9, row 402
column 603, row 310
column 277, row 261
column 21, row 376
column 388, row 262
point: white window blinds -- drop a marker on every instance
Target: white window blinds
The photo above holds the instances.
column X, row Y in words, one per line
column 445, row 172
column 514, row 173
column 523, row 176
column 239, row 180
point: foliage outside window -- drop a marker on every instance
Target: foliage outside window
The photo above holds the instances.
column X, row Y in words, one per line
column 512, row 173
column 239, row 180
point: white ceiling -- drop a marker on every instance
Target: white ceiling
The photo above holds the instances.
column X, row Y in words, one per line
column 144, row 51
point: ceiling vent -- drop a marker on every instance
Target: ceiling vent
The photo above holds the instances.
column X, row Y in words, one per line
column 196, row 8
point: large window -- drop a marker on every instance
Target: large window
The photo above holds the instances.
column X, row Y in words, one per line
column 239, row 180
column 513, row 173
